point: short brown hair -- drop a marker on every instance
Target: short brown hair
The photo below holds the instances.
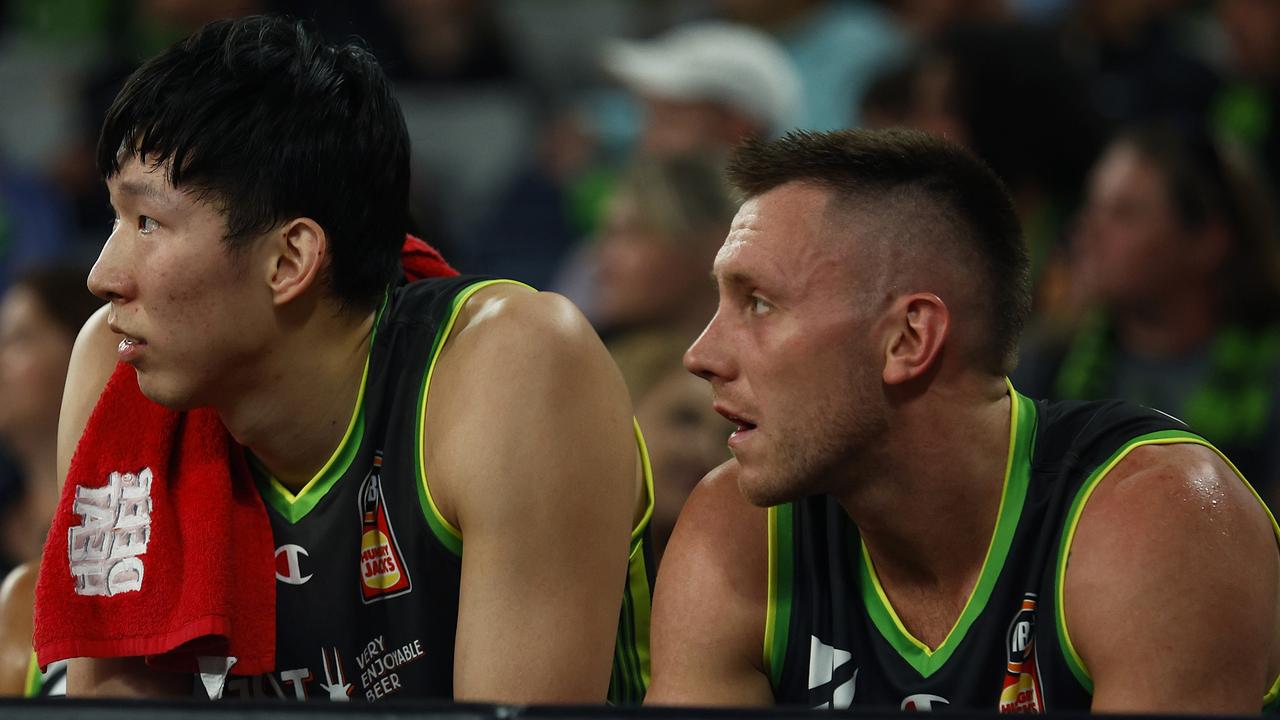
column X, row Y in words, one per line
column 882, row 164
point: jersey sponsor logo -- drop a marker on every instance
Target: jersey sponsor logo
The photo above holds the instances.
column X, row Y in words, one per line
column 382, row 570
column 105, row 550
column 335, row 681
column 289, row 564
column 295, row 683
column 1021, row 692
column 262, row 687
column 380, row 666
column 833, row 676
column 922, row 702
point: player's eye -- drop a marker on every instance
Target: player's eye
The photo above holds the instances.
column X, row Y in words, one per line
column 146, row 225
column 760, row 306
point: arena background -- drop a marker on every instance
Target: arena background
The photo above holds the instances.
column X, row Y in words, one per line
column 542, row 152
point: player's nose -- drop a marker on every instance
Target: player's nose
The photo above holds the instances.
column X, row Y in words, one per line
column 710, row 356
column 112, row 278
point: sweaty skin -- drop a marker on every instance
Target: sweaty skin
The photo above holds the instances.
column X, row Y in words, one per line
column 884, row 412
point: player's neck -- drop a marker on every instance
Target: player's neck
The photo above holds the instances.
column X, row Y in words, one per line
column 299, row 410
column 927, row 511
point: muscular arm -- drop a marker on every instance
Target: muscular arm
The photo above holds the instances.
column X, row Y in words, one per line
column 709, row 603
column 1171, row 587
column 530, row 450
column 93, row 358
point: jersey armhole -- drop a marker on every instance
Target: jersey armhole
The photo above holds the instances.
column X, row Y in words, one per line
column 33, row 683
column 1165, row 437
column 777, row 621
column 448, row 535
column 631, row 671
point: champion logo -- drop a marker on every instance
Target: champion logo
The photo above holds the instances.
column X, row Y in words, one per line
column 833, row 676
column 922, row 702
column 105, row 550
column 289, row 564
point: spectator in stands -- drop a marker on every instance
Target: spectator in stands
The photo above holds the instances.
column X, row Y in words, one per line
column 706, row 86
column 1008, row 94
column 1139, row 60
column 838, row 49
column 1248, row 108
column 39, row 318
column 686, row 440
column 651, row 295
column 1176, row 253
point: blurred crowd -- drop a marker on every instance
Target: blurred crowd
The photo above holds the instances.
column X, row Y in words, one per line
column 577, row 145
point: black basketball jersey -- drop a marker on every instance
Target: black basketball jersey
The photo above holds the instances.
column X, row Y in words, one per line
column 367, row 568
column 833, row 640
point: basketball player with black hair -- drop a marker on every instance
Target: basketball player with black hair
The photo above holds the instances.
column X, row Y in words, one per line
column 260, row 180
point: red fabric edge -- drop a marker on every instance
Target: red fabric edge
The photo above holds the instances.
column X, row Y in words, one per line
column 152, row 644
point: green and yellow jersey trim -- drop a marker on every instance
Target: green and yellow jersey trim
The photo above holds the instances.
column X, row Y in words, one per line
column 445, row 532
column 777, row 617
column 630, row 678
column 34, row 680
column 1017, row 476
column 630, row 673
column 295, row 507
column 646, row 470
column 1164, row 437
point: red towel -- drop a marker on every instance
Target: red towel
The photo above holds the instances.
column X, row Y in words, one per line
column 161, row 546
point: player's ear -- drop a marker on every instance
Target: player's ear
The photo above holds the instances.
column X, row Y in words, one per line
column 298, row 254
column 917, row 333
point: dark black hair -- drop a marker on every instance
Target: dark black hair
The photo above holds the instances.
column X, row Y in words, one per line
column 264, row 119
column 888, row 164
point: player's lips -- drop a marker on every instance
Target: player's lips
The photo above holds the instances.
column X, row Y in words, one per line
column 746, row 425
column 130, row 346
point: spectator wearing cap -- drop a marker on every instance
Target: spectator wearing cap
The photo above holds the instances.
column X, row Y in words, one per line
column 706, row 86
column 838, row 46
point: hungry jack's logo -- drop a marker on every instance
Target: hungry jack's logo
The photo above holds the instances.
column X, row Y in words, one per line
column 382, row 570
column 1022, row 693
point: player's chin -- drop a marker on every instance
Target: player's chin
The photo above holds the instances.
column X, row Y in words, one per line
column 760, row 487
column 164, row 389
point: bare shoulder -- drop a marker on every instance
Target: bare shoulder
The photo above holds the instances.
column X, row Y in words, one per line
column 516, row 317
column 716, row 509
column 1182, row 494
column 718, row 552
column 710, row 600
column 93, row 358
column 537, row 472
column 1173, row 539
column 521, row 377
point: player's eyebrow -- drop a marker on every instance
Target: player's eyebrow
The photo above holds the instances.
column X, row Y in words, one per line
column 732, row 278
column 137, row 188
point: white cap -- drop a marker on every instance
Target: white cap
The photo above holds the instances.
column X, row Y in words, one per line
column 722, row 62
